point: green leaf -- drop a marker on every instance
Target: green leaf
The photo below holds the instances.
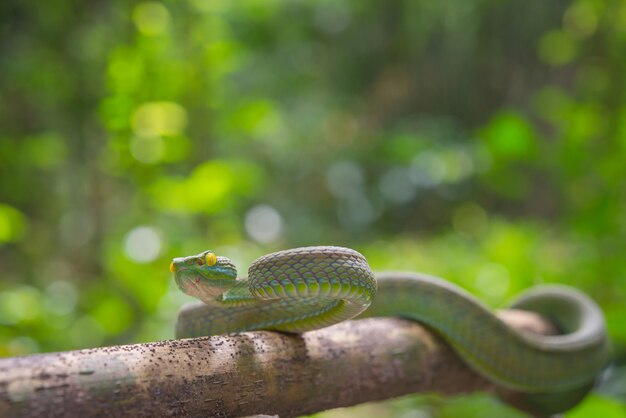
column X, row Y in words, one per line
column 595, row 406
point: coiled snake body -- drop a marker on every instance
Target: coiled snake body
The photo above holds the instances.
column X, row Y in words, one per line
column 308, row 288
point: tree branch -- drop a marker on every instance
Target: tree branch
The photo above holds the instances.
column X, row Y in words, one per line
column 244, row 374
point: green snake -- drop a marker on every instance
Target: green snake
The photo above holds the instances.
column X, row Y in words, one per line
column 308, row 288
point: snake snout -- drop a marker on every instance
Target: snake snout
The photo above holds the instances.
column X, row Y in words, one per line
column 176, row 262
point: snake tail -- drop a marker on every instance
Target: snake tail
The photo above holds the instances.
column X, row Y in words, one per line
column 551, row 373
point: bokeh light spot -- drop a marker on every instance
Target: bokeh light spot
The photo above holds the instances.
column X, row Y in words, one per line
column 396, row 186
column 148, row 150
column 580, row 19
column 12, row 224
column 60, row 298
column 159, row 118
column 509, row 135
column 263, row 223
column 143, row 244
column 332, row 16
column 151, row 18
column 344, row 178
column 557, row 48
column 427, row 169
column 21, row 304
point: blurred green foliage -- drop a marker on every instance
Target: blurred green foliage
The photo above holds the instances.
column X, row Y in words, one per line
column 482, row 141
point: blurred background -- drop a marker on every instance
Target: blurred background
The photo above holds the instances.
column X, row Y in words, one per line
column 482, row 141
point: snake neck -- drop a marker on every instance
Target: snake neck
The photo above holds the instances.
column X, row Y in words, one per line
column 238, row 294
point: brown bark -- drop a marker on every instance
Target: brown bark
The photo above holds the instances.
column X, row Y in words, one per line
column 245, row 374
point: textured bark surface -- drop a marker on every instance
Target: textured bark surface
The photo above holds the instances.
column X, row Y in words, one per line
column 244, row 374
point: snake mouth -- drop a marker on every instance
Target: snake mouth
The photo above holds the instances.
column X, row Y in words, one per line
column 186, row 283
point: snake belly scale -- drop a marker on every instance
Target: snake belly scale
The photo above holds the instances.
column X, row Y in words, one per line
column 309, row 288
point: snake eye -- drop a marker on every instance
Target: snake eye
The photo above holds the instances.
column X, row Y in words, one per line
column 210, row 259
column 200, row 261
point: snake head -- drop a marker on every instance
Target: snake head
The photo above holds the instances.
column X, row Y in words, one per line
column 204, row 276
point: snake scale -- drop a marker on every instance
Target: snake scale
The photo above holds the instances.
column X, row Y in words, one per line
column 308, row 288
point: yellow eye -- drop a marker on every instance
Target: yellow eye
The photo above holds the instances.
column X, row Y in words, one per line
column 210, row 259
column 172, row 267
